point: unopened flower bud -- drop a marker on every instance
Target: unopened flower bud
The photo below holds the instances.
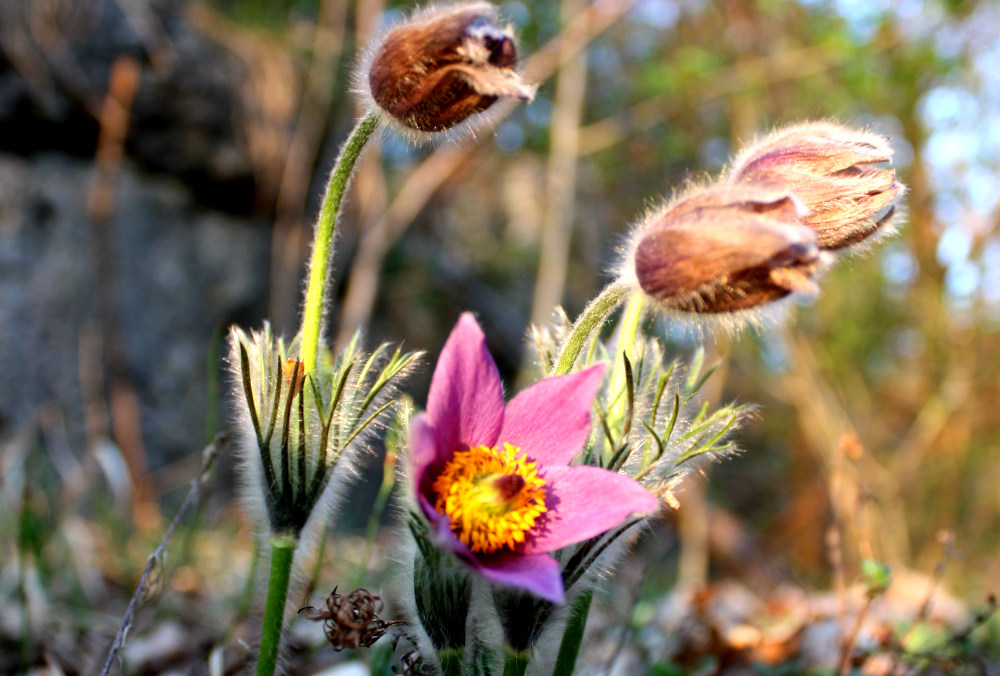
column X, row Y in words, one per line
column 725, row 249
column 834, row 171
column 448, row 63
column 294, row 427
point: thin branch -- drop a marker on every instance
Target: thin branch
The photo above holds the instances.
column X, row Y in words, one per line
column 208, row 460
column 844, row 665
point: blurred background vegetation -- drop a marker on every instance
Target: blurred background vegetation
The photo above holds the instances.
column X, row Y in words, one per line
column 162, row 161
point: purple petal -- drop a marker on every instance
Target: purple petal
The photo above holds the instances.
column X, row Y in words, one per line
column 465, row 401
column 538, row 573
column 422, row 447
column 550, row 420
column 426, row 456
column 584, row 502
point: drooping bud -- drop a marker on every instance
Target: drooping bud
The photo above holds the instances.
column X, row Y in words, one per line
column 448, row 63
column 724, row 249
column 834, row 171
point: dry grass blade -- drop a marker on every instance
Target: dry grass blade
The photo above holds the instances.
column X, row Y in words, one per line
column 208, row 460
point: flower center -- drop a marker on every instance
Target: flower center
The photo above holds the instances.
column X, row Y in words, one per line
column 493, row 496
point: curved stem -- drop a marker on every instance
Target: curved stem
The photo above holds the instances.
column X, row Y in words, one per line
column 282, row 553
column 589, row 323
column 326, row 226
column 630, row 319
column 573, row 635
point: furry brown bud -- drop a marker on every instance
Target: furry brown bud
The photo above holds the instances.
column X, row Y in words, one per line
column 833, row 171
column 725, row 249
column 444, row 65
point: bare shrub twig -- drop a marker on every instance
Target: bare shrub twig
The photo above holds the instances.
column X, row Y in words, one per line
column 208, row 460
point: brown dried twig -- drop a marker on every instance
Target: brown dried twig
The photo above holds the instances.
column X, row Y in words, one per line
column 208, row 460
column 844, row 664
column 947, row 540
column 123, row 401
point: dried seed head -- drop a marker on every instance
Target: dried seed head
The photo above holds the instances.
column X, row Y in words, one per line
column 448, row 63
column 351, row 621
column 725, row 249
column 833, row 171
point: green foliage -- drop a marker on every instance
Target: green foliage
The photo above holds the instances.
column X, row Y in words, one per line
column 667, row 669
column 876, row 576
column 443, row 595
column 268, row 15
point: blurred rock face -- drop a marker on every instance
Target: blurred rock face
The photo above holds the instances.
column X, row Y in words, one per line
column 179, row 274
column 55, row 58
column 177, row 265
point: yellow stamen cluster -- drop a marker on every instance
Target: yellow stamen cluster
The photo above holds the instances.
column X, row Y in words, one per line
column 493, row 496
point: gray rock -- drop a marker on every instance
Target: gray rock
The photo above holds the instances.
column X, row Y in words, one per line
column 180, row 273
column 55, row 61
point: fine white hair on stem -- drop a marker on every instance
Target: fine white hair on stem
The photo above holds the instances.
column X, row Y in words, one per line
column 250, row 473
column 402, row 591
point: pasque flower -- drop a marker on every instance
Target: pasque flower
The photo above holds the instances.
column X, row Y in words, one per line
column 445, row 64
column 495, row 481
column 834, row 171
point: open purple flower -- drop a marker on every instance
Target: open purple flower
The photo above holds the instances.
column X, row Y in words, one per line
column 495, row 482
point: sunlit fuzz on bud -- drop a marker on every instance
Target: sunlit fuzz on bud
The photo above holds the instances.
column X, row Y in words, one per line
column 444, row 65
column 725, row 249
column 834, row 171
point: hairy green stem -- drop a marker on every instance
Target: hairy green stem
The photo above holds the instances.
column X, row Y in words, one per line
column 629, row 328
column 573, row 635
column 589, row 323
column 451, row 661
column 626, row 339
column 515, row 662
column 584, row 330
column 326, row 226
column 282, row 553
